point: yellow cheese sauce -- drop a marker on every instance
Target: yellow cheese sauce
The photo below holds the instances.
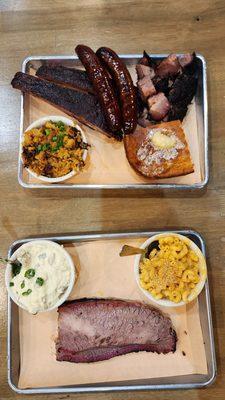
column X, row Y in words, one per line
column 171, row 271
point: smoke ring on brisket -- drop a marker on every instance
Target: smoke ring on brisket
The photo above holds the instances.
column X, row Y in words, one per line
column 91, row 330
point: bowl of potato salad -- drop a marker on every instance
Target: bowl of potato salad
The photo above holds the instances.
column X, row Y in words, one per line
column 173, row 270
column 40, row 275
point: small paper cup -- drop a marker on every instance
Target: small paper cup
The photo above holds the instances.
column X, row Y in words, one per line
column 202, row 269
column 64, row 296
column 37, row 124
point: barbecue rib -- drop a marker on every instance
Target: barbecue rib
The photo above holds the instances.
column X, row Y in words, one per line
column 82, row 106
column 66, row 76
column 92, row 330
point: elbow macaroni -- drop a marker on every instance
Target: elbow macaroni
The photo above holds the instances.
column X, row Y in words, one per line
column 171, row 272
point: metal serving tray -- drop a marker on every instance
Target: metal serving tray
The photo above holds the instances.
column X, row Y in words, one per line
column 177, row 382
column 35, row 62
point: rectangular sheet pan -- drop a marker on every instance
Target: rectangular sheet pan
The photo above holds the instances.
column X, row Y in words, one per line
column 34, row 62
column 177, row 382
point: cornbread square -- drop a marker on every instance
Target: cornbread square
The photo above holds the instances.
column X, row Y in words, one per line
column 155, row 162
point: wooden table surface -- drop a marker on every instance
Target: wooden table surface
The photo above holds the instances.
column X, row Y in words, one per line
column 54, row 27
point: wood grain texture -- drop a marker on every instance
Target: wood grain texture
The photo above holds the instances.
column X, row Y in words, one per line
column 54, row 27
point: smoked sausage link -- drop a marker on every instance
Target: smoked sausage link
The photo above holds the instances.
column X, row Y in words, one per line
column 102, row 85
column 124, row 85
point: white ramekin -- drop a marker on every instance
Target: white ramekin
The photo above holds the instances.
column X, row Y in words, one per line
column 8, row 272
column 202, row 269
column 37, row 124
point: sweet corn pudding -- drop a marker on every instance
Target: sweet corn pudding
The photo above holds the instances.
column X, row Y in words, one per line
column 171, row 270
column 54, row 149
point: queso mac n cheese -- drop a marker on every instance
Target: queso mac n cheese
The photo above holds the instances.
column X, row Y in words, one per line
column 171, row 272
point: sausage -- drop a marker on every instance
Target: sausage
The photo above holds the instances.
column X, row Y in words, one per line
column 102, row 85
column 124, row 85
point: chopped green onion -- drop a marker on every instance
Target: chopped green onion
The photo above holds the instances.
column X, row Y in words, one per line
column 45, row 146
column 47, row 132
column 16, row 267
column 11, row 284
column 29, row 273
column 22, row 285
column 39, row 147
column 60, row 142
column 60, row 125
column 40, row 281
column 27, row 292
column 54, row 139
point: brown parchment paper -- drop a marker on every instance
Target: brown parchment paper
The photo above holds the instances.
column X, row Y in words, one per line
column 102, row 273
column 107, row 162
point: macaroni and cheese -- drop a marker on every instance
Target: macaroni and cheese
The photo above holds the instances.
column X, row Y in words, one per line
column 171, row 271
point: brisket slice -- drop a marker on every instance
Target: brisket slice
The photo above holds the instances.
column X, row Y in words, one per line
column 92, row 330
column 82, row 106
column 66, row 76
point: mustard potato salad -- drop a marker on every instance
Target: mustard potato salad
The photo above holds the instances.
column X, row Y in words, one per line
column 171, row 271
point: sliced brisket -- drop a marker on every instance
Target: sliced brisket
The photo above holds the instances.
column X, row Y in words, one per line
column 92, row 330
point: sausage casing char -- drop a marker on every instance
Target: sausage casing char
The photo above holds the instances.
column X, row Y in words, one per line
column 124, row 85
column 102, row 85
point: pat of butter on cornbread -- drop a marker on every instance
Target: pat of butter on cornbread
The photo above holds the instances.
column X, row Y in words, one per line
column 159, row 151
column 163, row 141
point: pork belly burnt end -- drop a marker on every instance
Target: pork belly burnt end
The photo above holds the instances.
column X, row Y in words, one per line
column 92, row 330
column 158, row 106
column 144, row 70
column 170, row 66
column 146, row 88
column 186, row 59
column 147, row 60
column 192, row 68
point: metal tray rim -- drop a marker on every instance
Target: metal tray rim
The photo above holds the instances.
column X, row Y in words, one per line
column 96, row 236
column 156, row 186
